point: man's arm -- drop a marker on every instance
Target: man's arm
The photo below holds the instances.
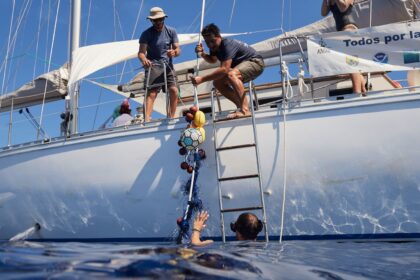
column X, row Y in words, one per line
column 325, row 8
column 208, row 58
column 175, row 51
column 343, row 5
column 215, row 75
column 142, row 55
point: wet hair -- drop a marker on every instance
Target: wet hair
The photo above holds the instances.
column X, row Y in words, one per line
column 210, row 29
column 125, row 110
column 248, row 225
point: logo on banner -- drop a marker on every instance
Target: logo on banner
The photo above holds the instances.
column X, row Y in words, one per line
column 381, row 58
column 352, row 60
column 322, row 43
column 411, row 57
column 323, row 47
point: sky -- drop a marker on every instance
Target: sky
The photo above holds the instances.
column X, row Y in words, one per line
column 113, row 20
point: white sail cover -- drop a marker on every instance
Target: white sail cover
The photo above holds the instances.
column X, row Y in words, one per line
column 391, row 47
column 53, row 83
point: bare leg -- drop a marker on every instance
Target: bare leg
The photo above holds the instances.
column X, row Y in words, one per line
column 358, row 83
column 223, row 87
column 173, row 100
column 150, row 100
column 235, row 80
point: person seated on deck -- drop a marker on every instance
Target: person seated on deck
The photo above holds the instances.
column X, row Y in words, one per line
column 413, row 79
column 240, row 63
column 246, row 227
column 341, row 10
column 124, row 117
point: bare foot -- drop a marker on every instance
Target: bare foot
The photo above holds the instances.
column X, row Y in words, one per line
column 238, row 114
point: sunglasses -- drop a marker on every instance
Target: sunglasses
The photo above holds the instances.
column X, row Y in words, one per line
column 158, row 20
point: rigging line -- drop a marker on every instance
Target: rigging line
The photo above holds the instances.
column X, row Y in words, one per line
column 48, row 32
column 132, row 36
column 115, row 30
column 97, row 108
column 69, row 34
column 290, row 15
column 259, row 31
column 282, row 16
column 231, row 13
column 37, row 38
column 110, row 76
column 103, row 103
column 21, row 19
column 88, row 22
column 7, row 50
column 49, row 66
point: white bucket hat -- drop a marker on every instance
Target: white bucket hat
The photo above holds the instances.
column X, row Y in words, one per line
column 156, row 12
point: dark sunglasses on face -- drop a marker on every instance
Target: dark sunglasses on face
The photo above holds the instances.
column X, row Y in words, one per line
column 158, row 20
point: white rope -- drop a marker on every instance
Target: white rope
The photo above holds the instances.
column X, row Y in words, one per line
column 289, row 88
column 37, row 39
column 49, row 66
column 301, row 79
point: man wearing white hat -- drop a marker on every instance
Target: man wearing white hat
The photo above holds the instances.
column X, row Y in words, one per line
column 158, row 45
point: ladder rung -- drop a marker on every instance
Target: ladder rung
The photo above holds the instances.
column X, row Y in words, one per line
column 235, row 147
column 239, row 177
column 241, row 209
column 231, row 119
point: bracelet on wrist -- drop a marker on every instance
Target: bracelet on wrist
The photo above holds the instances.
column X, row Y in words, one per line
column 196, row 229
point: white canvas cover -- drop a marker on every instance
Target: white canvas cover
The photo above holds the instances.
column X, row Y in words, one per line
column 89, row 59
column 53, row 83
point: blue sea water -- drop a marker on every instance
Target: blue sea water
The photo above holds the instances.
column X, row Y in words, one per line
column 234, row 260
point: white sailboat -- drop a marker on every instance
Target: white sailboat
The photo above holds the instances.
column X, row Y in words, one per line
column 333, row 165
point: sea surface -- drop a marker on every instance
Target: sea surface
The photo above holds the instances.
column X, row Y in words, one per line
column 233, row 260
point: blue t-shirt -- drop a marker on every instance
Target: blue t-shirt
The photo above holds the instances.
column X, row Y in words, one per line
column 158, row 42
column 236, row 50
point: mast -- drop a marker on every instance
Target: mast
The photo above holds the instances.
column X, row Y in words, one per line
column 75, row 43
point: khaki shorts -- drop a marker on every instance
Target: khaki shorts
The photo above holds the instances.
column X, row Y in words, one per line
column 157, row 80
column 250, row 69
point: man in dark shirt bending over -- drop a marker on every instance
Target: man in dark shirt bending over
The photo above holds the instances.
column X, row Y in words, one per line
column 240, row 63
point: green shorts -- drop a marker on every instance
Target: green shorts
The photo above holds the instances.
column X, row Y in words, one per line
column 250, row 69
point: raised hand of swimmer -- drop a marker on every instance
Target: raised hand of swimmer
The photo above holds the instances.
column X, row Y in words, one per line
column 198, row 225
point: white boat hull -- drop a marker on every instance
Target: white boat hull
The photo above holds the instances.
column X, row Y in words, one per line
column 352, row 169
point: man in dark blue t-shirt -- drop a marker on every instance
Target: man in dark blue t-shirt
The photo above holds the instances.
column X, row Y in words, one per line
column 240, row 63
column 158, row 45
